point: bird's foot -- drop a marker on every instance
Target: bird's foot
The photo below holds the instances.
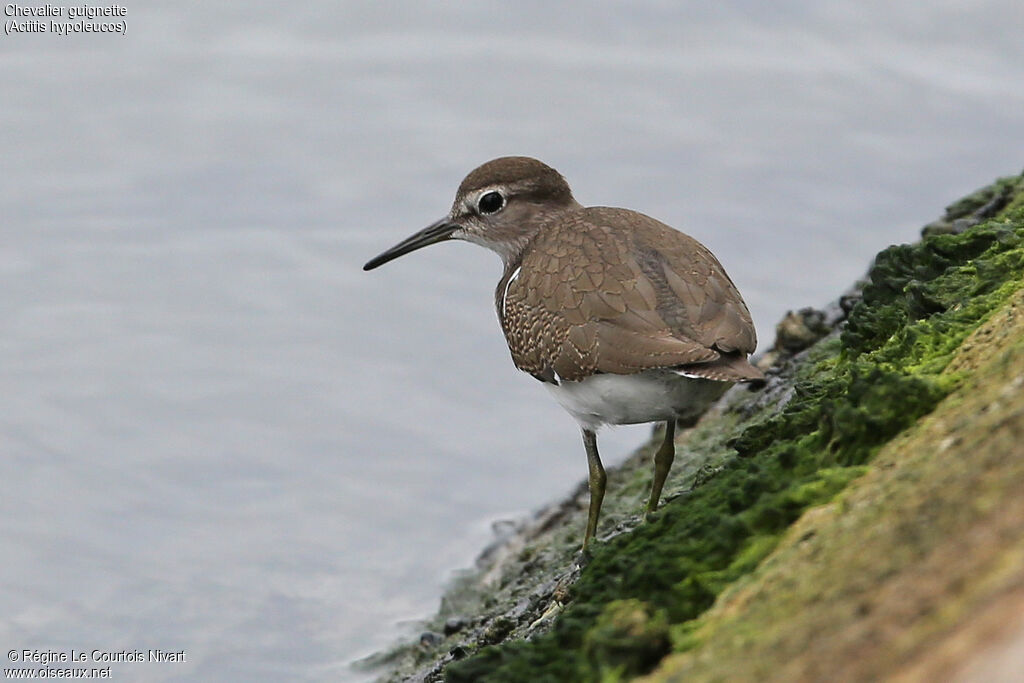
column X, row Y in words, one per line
column 583, row 557
column 650, row 513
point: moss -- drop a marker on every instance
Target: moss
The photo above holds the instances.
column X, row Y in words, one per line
column 498, row 629
column 988, row 201
column 948, row 280
column 628, row 638
column 854, row 394
column 910, row 557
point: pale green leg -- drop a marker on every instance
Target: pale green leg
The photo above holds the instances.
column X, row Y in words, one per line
column 662, row 464
column 597, row 483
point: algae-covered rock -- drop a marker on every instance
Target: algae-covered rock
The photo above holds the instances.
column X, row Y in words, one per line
column 777, row 545
column 1001, row 196
column 896, row 574
column 629, row 638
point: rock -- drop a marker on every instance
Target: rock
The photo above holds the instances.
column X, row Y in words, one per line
column 497, row 630
column 454, row 625
column 797, row 331
column 429, row 639
column 975, row 207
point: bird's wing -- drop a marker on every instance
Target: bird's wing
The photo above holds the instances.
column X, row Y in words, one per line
column 591, row 298
column 695, row 296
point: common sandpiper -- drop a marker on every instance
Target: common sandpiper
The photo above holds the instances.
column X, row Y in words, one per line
column 624, row 319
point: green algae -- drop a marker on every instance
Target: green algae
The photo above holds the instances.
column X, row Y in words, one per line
column 996, row 197
column 628, row 638
column 856, row 392
column 909, row 555
column 993, row 201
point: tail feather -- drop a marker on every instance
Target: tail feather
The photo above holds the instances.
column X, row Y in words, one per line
column 728, row 367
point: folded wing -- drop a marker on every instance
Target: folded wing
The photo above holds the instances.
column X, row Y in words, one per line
column 591, row 298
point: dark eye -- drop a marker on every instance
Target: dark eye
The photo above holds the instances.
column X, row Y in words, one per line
column 492, row 202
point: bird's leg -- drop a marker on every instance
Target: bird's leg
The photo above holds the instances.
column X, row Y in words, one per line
column 597, row 482
column 662, row 463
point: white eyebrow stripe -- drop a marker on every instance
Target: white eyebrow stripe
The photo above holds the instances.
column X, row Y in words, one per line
column 504, row 295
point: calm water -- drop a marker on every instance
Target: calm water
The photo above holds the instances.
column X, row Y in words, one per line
column 218, row 435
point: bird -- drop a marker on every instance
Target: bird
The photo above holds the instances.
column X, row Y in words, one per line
column 624, row 319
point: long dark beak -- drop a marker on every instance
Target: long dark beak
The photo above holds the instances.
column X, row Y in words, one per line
column 436, row 232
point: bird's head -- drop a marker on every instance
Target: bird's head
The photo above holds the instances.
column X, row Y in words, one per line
column 500, row 205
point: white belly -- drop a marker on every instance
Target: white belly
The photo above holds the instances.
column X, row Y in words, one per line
column 650, row 396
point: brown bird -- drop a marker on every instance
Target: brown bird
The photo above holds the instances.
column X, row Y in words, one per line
column 624, row 319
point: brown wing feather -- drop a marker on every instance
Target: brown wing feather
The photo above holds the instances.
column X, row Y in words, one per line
column 730, row 367
column 694, row 294
column 589, row 297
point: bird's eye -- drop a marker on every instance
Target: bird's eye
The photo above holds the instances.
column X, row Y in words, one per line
column 492, row 202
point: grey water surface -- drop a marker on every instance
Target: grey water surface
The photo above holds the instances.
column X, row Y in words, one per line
column 219, row 436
